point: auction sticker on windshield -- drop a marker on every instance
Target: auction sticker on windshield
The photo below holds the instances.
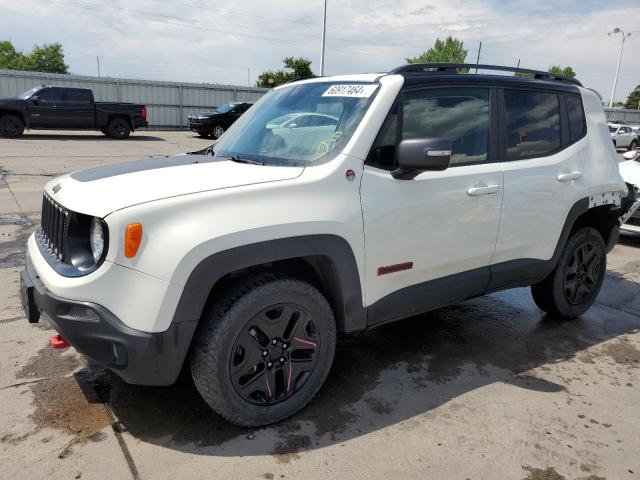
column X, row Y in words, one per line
column 358, row 91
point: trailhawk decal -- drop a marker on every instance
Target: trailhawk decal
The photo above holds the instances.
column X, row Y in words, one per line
column 357, row 91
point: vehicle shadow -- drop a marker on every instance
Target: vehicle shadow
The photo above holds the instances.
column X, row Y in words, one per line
column 388, row 375
column 135, row 136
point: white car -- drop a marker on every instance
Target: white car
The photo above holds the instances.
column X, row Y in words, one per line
column 630, row 171
column 623, row 136
column 432, row 187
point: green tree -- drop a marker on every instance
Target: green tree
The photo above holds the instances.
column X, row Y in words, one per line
column 633, row 100
column 566, row 71
column 449, row 50
column 8, row 54
column 45, row 58
column 294, row 69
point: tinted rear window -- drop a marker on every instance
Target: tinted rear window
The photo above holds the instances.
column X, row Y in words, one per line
column 533, row 123
column 577, row 126
column 76, row 96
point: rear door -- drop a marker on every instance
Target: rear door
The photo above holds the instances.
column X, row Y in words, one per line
column 544, row 153
column 76, row 110
column 429, row 240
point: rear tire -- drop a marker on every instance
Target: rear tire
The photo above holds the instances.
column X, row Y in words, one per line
column 252, row 338
column 574, row 284
column 11, row 126
column 118, row 128
column 633, row 145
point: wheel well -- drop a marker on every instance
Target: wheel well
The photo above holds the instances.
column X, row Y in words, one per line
column 603, row 218
column 318, row 270
column 12, row 112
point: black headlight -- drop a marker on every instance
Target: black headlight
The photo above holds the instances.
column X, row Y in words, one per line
column 88, row 240
column 73, row 244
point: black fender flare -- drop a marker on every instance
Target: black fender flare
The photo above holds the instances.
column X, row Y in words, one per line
column 331, row 248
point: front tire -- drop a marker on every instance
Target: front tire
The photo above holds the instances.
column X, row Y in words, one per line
column 11, row 126
column 633, row 145
column 217, row 131
column 263, row 349
column 574, row 284
column 119, row 128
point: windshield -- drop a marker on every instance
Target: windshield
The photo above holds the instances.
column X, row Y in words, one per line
column 613, row 129
column 28, row 93
column 299, row 124
column 225, row 108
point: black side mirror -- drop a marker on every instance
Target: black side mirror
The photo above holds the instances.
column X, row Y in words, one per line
column 33, row 99
column 420, row 155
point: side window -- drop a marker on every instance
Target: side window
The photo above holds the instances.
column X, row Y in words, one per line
column 532, row 122
column 459, row 114
column 49, row 95
column 383, row 152
column 77, row 96
column 577, row 125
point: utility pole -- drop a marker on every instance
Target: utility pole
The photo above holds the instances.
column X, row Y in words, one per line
column 615, row 79
column 98, row 60
column 248, row 77
column 324, row 33
column 478, row 59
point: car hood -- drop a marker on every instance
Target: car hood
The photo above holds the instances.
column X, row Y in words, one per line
column 630, row 171
column 208, row 115
column 11, row 101
column 103, row 190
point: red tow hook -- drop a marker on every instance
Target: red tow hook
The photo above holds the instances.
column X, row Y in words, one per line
column 58, row 342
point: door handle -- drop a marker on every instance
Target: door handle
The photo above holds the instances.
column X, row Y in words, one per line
column 567, row 177
column 488, row 190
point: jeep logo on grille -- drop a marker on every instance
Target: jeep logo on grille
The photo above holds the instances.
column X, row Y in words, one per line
column 56, row 188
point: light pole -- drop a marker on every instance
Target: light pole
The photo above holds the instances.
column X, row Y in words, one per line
column 615, row 80
column 324, row 32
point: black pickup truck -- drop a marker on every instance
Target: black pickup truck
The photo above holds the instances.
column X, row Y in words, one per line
column 66, row 108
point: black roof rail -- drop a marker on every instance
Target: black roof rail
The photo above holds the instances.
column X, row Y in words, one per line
column 453, row 68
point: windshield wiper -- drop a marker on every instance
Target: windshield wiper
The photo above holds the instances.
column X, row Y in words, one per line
column 236, row 158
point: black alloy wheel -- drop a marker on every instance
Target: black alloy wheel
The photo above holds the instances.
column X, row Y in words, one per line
column 582, row 274
column 274, row 354
column 11, row 126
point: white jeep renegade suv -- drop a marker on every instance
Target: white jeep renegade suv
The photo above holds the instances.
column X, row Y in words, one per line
column 431, row 187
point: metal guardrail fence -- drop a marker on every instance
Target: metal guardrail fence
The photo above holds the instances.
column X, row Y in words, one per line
column 622, row 115
column 168, row 103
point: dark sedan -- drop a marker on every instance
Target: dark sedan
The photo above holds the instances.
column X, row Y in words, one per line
column 215, row 123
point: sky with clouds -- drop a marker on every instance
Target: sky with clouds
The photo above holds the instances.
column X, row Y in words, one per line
column 232, row 42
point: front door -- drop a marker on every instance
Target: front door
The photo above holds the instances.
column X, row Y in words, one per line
column 43, row 110
column 429, row 241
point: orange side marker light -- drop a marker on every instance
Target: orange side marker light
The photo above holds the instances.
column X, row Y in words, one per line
column 132, row 239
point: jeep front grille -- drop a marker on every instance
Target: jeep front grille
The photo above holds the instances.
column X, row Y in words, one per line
column 53, row 227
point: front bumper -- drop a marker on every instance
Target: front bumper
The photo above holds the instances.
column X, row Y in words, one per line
column 198, row 125
column 139, row 358
column 630, row 221
column 632, row 225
